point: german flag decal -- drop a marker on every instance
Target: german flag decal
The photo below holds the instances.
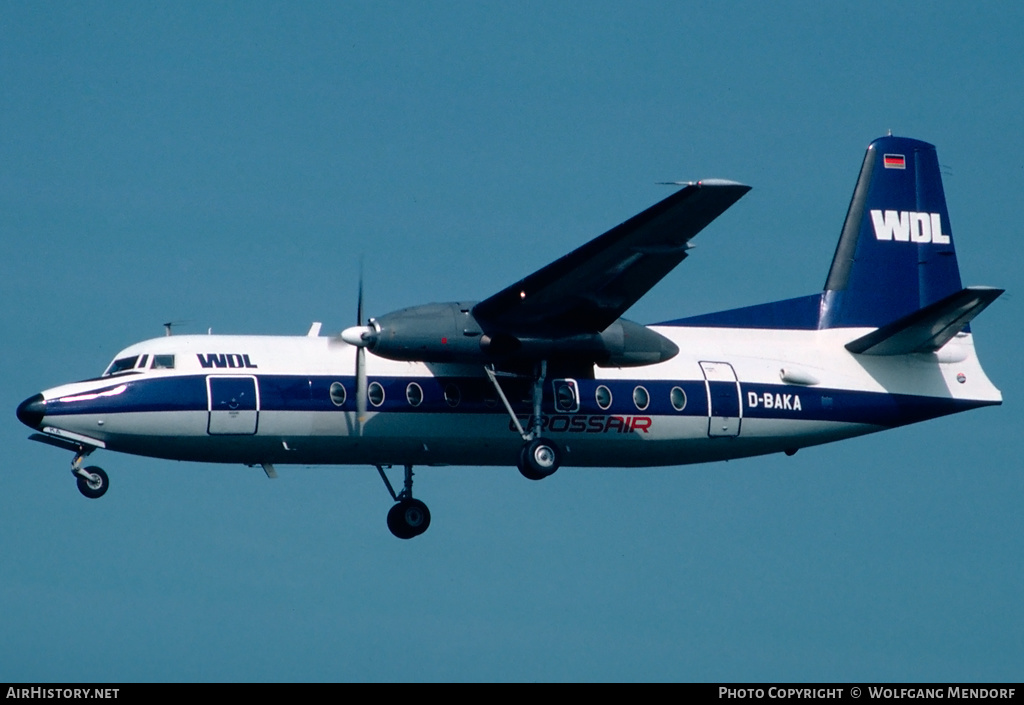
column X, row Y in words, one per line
column 894, row 161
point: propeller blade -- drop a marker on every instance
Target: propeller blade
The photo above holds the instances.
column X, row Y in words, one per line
column 359, row 301
column 360, row 337
column 360, row 389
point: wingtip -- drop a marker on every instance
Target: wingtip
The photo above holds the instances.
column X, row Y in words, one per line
column 721, row 182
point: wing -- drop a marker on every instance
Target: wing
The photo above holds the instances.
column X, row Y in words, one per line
column 588, row 289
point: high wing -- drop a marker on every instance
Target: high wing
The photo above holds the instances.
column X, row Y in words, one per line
column 588, row 289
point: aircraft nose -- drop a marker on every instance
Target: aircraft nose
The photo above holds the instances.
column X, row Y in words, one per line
column 31, row 411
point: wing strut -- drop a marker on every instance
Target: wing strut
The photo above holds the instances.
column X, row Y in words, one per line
column 491, row 375
column 538, row 396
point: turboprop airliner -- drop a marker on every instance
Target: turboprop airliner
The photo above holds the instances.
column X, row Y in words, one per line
column 546, row 373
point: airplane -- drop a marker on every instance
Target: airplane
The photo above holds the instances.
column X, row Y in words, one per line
column 546, row 373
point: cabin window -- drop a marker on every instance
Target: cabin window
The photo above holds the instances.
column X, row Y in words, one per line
column 414, row 394
column 163, row 362
column 641, row 398
column 566, row 399
column 490, row 397
column 121, row 365
column 678, row 397
column 337, row 393
column 375, row 393
column 452, row 395
column 603, row 397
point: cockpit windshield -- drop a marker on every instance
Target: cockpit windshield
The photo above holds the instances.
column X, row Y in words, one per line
column 122, row 364
column 163, row 362
column 139, row 364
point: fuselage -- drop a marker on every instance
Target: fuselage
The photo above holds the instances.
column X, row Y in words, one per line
column 729, row 393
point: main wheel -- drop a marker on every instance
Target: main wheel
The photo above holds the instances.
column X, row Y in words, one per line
column 539, row 459
column 408, row 519
column 95, row 487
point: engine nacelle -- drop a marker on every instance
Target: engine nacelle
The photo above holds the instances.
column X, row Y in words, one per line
column 448, row 332
column 430, row 333
column 630, row 344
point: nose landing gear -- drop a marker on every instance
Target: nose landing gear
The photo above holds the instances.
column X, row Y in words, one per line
column 92, row 481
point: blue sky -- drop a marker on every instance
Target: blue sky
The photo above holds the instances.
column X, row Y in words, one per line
column 228, row 165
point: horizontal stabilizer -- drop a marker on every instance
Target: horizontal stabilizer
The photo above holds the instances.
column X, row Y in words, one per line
column 929, row 328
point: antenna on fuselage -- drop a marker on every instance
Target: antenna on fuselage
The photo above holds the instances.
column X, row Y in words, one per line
column 169, row 325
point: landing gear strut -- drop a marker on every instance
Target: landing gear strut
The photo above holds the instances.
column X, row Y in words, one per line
column 539, row 457
column 92, row 481
column 409, row 517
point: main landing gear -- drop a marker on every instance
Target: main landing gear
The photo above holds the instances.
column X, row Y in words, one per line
column 409, row 517
column 539, row 457
column 92, row 481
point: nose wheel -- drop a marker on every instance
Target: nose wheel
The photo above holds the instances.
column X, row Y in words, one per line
column 93, row 482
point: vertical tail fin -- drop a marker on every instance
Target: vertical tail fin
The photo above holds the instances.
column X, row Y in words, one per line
column 895, row 254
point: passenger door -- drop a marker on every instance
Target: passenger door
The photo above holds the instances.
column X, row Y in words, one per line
column 724, row 408
column 234, row 405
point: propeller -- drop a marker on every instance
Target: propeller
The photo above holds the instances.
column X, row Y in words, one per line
column 360, row 363
column 360, row 336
